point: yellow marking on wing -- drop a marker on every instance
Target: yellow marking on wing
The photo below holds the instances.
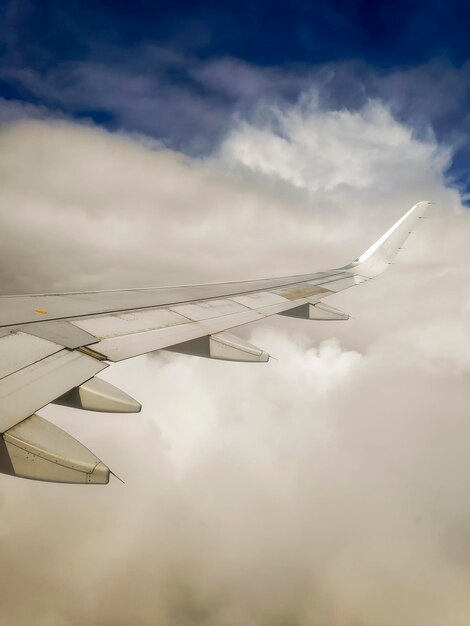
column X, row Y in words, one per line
column 299, row 291
column 41, row 311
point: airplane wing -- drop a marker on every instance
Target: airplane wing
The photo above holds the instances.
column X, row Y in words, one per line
column 52, row 346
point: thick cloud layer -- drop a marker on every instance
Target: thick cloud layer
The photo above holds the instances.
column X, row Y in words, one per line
column 326, row 487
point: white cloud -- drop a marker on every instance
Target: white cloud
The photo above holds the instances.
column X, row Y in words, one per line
column 317, row 149
column 326, row 487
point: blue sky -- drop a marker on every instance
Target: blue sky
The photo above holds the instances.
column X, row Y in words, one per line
column 180, row 71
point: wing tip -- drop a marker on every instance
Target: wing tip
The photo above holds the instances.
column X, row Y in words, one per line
column 379, row 255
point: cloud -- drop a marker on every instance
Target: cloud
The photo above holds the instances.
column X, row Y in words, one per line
column 328, row 486
column 190, row 103
column 313, row 148
column 15, row 111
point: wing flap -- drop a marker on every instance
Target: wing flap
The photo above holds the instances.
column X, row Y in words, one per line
column 60, row 332
column 118, row 324
column 18, row 350
column 31, row 388
column 126, row 346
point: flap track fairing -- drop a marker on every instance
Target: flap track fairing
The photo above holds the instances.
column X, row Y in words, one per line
column 222, row 346
column 39, row 450
column 99, row 395
column 317, row 311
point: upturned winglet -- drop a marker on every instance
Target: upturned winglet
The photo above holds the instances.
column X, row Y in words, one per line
column 378, row 257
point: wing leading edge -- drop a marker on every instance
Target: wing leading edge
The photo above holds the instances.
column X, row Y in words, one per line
column 52, row 345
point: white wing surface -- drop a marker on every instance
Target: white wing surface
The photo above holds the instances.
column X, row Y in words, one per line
column 53, row 345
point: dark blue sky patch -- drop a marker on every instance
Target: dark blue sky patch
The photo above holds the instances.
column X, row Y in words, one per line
column 103, row 118
column 380, row 33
